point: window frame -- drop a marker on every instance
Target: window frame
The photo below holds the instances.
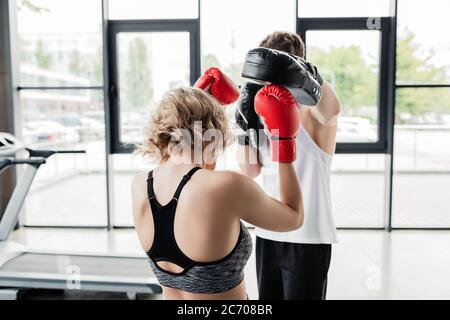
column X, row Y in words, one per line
column 192, row 26
column 360, row 23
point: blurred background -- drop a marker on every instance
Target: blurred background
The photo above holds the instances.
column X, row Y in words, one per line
column 60, row 44
column 88, row 72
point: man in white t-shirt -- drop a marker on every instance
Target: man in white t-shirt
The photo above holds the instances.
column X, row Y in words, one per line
column 294, row 265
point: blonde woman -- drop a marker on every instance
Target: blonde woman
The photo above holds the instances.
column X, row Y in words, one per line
column 188, row 216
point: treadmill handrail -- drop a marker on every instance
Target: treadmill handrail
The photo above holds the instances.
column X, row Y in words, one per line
column 4, row 163
column 11, row 214
column 9, row 145
column 48, row 153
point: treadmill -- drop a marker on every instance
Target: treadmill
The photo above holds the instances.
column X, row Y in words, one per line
column 23, row 268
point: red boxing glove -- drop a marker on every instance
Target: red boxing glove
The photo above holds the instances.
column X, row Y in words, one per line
column 219, row 85
column 281, row 115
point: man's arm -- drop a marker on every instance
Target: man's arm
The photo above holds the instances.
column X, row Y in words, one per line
column 321, row 121
column 328, row 109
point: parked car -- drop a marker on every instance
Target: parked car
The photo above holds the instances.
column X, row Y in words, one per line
column 355, row 129
column 132, row 125
column 98, row 115
column 88, row 129
column 41, row 131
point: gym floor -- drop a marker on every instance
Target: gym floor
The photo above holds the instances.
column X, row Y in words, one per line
column 366, row 264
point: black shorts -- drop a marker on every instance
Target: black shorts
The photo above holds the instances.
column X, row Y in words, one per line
column 292, row 271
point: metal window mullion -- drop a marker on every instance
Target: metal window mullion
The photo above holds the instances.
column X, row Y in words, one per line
column 422, row 86
column 391, row 117
column 107, row 108
column 22, row 88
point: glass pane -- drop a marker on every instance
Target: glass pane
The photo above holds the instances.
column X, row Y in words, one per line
column 153, row 9
column 125, row 167
column 357, row 190
column 349, row 61
column 343, row 8
column 120, row 242
column 422, row 158
column 149, row 64
column 423, row 52
column 55, row 48
column 227, row 33
column 69, row 189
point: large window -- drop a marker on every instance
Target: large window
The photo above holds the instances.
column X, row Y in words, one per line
column 230, row 28
column 157, row 45
column 358, row 190
column 149, row 64
column 55, row 48
column 350, row 61
column 343, row 8
column 422, row 117
column 153, row 9
column 423, row 50
column 353, row 58
column 62, row 193
column 61, row 107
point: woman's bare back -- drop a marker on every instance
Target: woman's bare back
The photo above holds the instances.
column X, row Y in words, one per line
column 205, row 228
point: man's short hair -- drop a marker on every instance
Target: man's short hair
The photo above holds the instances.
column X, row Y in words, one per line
column 285, row 41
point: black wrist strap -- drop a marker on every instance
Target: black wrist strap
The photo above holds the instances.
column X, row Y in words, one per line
column 282, row 138
column 243, row 140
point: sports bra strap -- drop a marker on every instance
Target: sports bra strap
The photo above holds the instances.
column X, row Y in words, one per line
column 183, row 182
column 186, row 177
column 150, row 191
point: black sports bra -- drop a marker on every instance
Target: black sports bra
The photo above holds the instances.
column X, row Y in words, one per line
column 196, row 277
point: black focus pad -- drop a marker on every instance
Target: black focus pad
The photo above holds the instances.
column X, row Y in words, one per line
column 246, row 116
column 312, row 69
column 279, row 67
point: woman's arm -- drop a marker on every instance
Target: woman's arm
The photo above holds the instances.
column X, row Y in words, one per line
column 253, row 205
column 247, row 158
column 281, row 115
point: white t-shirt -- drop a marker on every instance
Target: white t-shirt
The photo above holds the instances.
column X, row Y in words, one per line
column 313, row 167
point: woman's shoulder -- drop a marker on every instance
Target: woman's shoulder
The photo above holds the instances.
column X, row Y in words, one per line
column 223, row 177
column 217, row 190
column 139, row 178
column 218, row 182
column 138, row 189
